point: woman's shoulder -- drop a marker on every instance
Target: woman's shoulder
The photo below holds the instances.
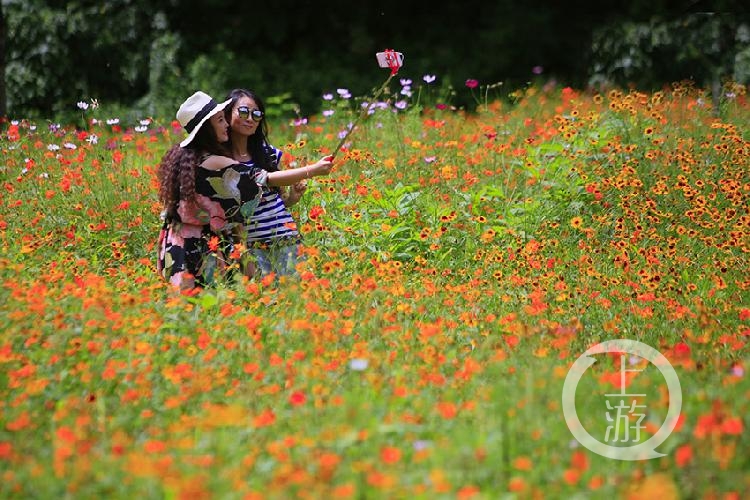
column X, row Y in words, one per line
column 217, row 162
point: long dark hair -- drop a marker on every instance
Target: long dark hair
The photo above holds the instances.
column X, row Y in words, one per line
column 257, row 144
column 176, row 172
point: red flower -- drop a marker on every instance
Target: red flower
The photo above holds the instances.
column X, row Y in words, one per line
column 316, row 212
column 682, row 350
column 471, row 83
column 297, row 398
column 213, row 243
column 390, row 454
column 683, row 455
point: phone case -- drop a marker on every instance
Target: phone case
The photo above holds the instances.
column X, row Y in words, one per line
column 390, row 59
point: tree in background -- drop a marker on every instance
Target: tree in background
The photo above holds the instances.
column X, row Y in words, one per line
column 147, row 55
column 3, row 36
column 707, row 47
column 59, row 53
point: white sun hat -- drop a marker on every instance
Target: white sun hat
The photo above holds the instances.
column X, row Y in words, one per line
column 195, row 111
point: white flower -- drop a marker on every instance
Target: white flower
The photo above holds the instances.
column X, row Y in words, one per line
column 146, row 121
column 358, row 364
column 24, row 171
column 405, row 82
column 406, row 91
column 83, row 105
column 327, row 97
column 14, row 122
column 32, row 127
column 44, row 175
column 53, row 147
column 328, row 112
column 113, row 121
column 428, row 78
column 343, row 93
column 141, row 128
column 400, row 104
column 92, row 139
column 70, row 145
column 94, row 103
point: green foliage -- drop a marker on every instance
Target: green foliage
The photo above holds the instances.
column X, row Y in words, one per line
column 59, row 54
column 699, row 46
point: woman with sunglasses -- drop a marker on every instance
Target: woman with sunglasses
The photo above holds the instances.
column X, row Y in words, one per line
column 272, row 235
column 203, row 203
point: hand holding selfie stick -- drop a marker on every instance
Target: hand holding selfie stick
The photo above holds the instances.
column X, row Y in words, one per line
column 386, row 59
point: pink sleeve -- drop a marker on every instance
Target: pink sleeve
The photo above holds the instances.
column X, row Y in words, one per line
column 202, row 212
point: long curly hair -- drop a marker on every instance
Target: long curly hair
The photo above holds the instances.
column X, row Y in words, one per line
column 176, row 173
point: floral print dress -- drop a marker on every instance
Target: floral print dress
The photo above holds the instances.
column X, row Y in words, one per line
column 194, row 242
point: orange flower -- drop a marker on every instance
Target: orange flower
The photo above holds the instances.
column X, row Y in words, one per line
column 683, row 455
column 390, row 454
column 523, row 463
column 469, row 491
column 579, row 461
column 213, row 243
column 315, row 212
column 516, row 484
column 732, row 426
column 153, row 446
column 446, row 409
column 344, row 491
column 571, row 476
column 264, row 419
column 658, row 485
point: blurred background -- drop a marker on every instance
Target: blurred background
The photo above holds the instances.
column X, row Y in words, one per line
column 145, row 56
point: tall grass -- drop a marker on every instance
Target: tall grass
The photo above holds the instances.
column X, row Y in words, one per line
column 457, row 264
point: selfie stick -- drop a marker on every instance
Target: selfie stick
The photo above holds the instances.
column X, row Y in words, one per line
column 386, row 59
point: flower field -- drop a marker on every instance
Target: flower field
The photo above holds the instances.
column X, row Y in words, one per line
column 457, row 264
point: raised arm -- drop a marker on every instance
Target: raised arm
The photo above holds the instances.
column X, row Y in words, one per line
column 294, row 175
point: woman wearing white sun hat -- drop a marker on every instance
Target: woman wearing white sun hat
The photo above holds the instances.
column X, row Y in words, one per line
column 202, row 204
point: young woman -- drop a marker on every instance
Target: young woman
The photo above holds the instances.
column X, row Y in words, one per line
column 272, row 236
column 203, row 204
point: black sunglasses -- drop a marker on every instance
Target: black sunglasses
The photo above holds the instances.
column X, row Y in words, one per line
column 244, row 112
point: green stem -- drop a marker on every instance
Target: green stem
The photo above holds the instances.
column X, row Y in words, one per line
column 361, row 115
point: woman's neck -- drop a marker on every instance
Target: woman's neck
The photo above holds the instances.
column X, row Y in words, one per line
column 239, row 148
column 241, row 154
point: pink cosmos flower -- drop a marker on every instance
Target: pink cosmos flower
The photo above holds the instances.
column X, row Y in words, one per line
column 471, row 83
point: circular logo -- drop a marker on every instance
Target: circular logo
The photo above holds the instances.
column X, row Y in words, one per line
column 642, row 451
